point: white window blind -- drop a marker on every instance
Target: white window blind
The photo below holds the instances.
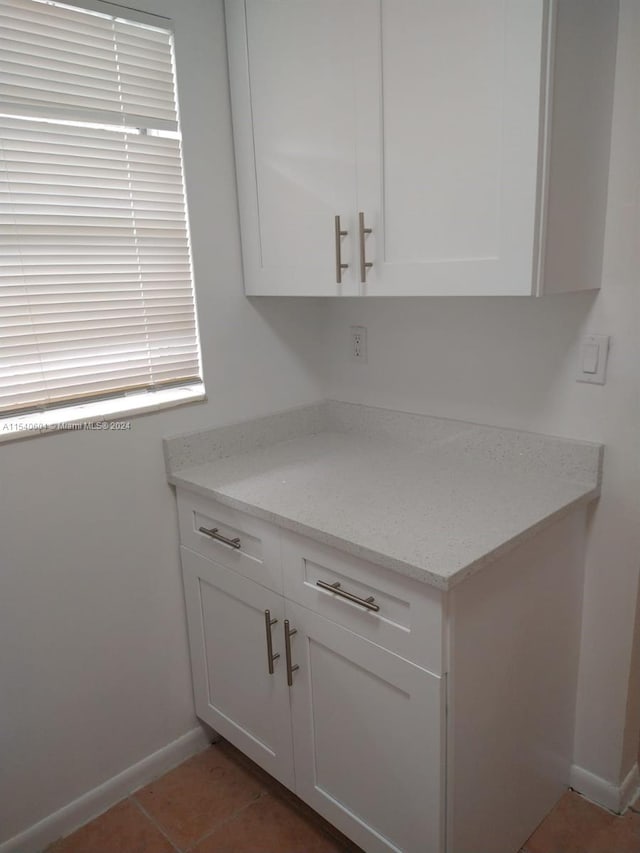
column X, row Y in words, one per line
column 96, row 294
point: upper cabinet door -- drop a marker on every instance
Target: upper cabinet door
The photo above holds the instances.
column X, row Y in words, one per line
column 449, row 177
column 293, row 87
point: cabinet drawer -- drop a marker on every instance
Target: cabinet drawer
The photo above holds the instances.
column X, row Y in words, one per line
column 256, row 552
column 408, row 620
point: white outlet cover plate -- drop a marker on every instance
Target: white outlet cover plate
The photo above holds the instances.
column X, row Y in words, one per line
column 361, row 332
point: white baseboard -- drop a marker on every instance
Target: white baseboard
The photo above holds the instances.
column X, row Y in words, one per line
column 98, row 800
column 613, row 797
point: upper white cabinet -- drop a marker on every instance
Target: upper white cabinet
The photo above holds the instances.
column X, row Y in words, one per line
column 464, row 146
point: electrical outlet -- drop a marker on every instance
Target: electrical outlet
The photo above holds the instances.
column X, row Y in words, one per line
column 359, row 344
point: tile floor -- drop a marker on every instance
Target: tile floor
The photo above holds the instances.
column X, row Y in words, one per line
column 220, row 802
column 577, row 826
column 216, row 802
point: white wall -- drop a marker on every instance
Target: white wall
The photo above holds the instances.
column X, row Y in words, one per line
column 510, row 362
column 93, row 657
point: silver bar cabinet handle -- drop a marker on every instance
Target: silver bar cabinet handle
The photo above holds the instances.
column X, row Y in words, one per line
column 363, row 602
column 268, row 623
column 214, row 534
column 288, row 633
column 364, row 263
column 339, row 234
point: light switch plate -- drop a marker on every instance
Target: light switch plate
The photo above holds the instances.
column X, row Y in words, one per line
column 592, row 359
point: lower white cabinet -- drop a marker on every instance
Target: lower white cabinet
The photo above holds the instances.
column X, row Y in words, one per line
column 413, row 719
column 357, row 733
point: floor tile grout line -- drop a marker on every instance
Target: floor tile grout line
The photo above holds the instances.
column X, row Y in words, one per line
column 155, row 823
column 225, row 821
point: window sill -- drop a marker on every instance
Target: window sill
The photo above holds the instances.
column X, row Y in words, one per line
column 102, row 415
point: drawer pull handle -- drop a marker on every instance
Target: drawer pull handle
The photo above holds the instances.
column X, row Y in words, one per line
column 268, row 623
column 214, row 534
column 339, row 234
column 364, row 263
column 288, row 633
column 369, row 603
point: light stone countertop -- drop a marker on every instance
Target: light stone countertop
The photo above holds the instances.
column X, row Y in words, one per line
column 430, row 498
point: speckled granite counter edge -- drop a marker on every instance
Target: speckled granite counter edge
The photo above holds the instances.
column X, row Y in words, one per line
column 444, row 583
column 577, row 461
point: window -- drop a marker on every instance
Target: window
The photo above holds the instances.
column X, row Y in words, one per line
column 96, row 293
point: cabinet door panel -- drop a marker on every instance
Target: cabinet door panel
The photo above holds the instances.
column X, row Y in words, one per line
column 294, row 102
column 451, row 181
column 367, row 737
column 234, row 692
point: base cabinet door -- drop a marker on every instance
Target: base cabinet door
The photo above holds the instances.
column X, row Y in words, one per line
column 368, row 730
column 234, row 690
